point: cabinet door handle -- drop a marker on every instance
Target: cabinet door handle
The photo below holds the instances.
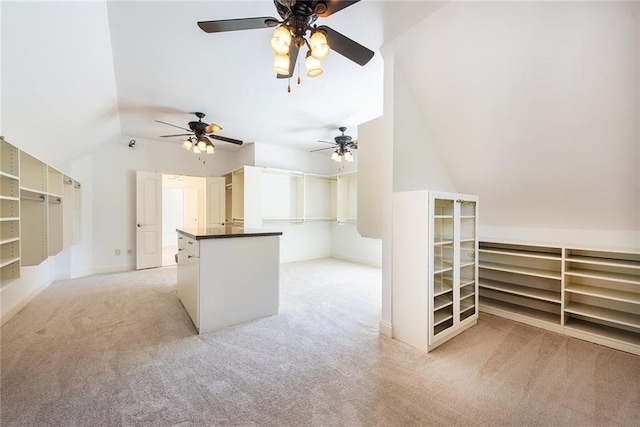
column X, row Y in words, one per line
column 139, row 225
column 190, row 243
column 190, row 256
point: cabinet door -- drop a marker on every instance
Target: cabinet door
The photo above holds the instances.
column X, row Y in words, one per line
column 441, row 292
column 466, row 252
column 188, row 265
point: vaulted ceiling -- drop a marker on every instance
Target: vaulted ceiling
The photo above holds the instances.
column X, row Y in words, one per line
column 77, row 74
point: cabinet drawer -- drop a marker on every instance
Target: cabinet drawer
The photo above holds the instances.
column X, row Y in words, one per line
column 188, row 244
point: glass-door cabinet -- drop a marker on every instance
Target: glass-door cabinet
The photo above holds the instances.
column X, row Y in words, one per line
column 453, row 286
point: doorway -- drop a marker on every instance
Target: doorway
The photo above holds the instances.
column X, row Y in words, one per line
column 183, row 206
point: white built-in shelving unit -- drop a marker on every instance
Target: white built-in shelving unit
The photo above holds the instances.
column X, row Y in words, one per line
column 9, row 212
column 258, row 195
column 435, row 287
column 347, row 189
column 590, row 294
column 36, row 220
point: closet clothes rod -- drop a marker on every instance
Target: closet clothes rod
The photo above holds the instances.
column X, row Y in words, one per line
column 37, row 199
column 56, row 201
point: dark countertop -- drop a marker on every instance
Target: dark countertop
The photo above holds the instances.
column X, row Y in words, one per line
column 225, row 232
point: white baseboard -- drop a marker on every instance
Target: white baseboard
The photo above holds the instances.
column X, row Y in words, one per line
column 14, row 308
column 113, row 269
column 357, row 260
column 386, row 329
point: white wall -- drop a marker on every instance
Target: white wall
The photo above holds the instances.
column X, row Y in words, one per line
column 113, row 190
column 535, row 108
column 297, row 160
column 370, row 178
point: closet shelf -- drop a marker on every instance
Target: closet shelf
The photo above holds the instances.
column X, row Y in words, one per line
column 611, row 294
column 442, row 302
column 8, row 175
column 601, row 331
column 10, row 218
column 519, row 312
column 441, row 317
column 6, row 261
column 602, row 275
column 601, row 313
column 603, row 261
column 9, row 198
column 10, row 240
column 524, row 291
column 521, row 270
column 519, row 253
column 466, row 292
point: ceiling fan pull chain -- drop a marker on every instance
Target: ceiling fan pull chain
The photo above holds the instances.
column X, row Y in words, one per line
column 289, row 85
column 298, row 69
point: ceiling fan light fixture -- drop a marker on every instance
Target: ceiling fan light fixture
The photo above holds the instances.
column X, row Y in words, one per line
column 202, row 146
column 187, row 144
column 314, row 68
column 196, row 150
column 212, row 128
column 318, row 44
column 348, row 156
column 281, row 40
column 281, row 64
column 336, row 157
column 210, row 149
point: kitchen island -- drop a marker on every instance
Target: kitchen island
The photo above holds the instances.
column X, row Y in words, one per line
column 228, row 275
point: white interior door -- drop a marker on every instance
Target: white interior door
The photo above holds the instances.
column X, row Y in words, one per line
column 148, row 219
column 215, row 201
column 190, row 208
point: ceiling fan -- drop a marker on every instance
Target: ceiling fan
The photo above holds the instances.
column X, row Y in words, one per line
column 297, row 18
column 342, row 145
column 199, row 134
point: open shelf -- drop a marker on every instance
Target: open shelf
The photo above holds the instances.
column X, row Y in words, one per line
column 521, row 313
column 521, row 270
column 524, row 291
column 605, row 275
column 608, row 262
column 601, row 313
column 612, row 294
column 441, row 316
column 605, row 335
column 520, row 253
column 442, row 301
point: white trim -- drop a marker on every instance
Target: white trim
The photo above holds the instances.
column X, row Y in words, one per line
column 386, row 329
column 21, row 303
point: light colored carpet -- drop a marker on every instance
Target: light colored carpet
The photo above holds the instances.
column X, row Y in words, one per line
column 119, row 349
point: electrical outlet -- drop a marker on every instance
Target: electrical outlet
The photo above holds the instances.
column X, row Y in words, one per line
column 117, row 252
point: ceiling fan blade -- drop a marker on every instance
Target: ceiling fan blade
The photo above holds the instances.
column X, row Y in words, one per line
column 181, row 134
column 237, row 24
column 320, row 149
column 334, row 6
column 327, row 142
column 225, row 139
column 179, row 127
column 293, row 58
column 347, row 47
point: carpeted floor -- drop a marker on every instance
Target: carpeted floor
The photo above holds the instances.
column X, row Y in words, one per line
column 119, row 349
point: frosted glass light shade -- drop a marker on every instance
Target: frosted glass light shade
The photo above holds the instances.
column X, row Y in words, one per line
column 210, row 149
column 336, row 157
column 348, row 156
column 319, row 45
column 187, row 144
column 281, row 40
column 314, row 68
column 196, row 149
column 202, row 145
column 281, row 64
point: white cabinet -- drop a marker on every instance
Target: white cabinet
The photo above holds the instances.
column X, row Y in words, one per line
column 188, row 276
column 591, row 294
column 602, row 297
column 522, row 282
column 434, row 266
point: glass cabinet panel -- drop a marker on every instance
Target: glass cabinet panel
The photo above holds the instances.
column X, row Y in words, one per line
column 443, row 264
column 466, row 261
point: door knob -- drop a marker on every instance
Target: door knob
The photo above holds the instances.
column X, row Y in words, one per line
column 139, row 225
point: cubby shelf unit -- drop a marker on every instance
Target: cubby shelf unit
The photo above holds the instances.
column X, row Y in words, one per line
column 589, row 294
column 9, row 212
